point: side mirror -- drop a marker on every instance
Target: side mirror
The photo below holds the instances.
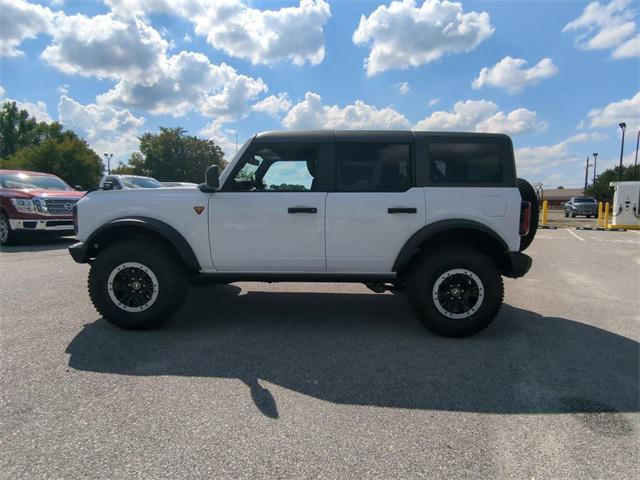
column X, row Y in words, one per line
column 108, row 185
column 212, row 180
column 78, row 187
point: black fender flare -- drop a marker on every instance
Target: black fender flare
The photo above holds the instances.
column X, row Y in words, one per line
column 166, row 231
column 412, row 245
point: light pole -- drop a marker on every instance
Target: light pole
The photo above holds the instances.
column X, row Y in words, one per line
column 623, row 126
column 595, row 164
column 108, row 157
column 635, row 163
column 586, row 175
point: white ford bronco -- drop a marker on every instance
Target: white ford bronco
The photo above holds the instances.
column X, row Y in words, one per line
column 439, row 215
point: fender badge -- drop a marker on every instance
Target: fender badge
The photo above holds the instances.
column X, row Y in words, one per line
column 199, row 210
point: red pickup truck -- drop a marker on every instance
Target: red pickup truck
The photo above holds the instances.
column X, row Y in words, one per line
column 35, row 202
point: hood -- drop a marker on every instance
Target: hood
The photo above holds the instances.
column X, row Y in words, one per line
column 35, row 192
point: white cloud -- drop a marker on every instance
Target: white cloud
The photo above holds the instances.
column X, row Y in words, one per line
column 509, row 74
column 188, row 81
column 104, row 46
column 540, row 160
column 292, row 34
column 63, row 89
column 627, row 111
column 403, row 88
column 20, row 20
column 481, row 116
column 38, row 110
column 311, row 113
column 610, row 26
column 105, row 129
column 187, row 38
column 222, row 138
column 433, row 101
column 629, row 49
column 273, row 105
column 404, row 35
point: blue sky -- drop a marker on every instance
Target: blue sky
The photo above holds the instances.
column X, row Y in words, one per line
column 556, row 75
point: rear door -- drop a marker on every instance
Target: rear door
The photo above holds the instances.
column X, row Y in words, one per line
column 373, row 207
column 269, row 215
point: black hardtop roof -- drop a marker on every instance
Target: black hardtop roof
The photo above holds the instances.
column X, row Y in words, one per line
column 362, row 135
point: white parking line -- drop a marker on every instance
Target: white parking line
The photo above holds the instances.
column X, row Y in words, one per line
column 579, row 238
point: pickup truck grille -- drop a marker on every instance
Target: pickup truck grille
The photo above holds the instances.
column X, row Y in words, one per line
column 55, row 207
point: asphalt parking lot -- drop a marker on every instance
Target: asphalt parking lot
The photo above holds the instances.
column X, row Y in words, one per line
column 326, row 380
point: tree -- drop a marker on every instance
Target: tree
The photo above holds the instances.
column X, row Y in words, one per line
column 601, row 189
column 68, row 157
column 26, row 144
column 19, row 130
column 171, row 155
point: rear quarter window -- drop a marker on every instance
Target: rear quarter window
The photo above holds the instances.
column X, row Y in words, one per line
column 470, row 162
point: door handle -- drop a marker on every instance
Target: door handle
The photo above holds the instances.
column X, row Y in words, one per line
column 402, row 210
column 302, row 210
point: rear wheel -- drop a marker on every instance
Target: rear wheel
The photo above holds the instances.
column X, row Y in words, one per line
column 137, row 284
column 455, row 291
column 528, row 194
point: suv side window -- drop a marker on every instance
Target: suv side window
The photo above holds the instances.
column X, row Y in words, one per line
column 373, row 167
column 468, row 162
column 281, row 167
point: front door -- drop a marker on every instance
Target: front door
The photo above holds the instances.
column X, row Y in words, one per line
column 270, row 214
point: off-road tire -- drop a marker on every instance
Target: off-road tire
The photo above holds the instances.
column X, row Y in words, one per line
column 422, row 279
column 528, row 194
column 171, row 274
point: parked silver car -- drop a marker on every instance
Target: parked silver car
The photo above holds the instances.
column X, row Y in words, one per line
column 587, row 206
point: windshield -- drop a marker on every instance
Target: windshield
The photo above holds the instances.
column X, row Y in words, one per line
column 26, row 181
column 584, row 200
column 140, row 182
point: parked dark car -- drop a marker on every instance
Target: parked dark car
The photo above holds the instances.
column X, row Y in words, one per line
column 587, row 206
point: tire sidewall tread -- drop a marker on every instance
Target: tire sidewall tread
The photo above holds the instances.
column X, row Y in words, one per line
column 172, row 279
column 429, row 267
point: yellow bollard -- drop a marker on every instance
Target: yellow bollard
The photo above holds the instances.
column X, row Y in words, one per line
column 545, row 208
column 599, row 214
column 606, row 215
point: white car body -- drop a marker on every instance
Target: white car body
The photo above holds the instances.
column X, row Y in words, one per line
column 252, row 232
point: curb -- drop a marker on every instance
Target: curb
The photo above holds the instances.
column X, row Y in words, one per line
column 602, row 229
column 547, row 227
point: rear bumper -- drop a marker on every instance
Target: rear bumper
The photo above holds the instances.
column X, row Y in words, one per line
column 516, row 264
column 40, row 225
column 78, row 252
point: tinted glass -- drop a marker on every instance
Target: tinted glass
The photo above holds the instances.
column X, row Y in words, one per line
column 584, row 200
column 467, row 163
column 283, row 167
column 373, row 167
column 141, row 182
column 25, row 181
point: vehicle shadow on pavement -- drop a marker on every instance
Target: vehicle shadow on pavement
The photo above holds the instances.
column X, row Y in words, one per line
column 368, row 349
column 38, row 244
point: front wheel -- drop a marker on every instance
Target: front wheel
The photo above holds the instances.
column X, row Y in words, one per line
column 455, row 291
column 137, row 284
column 7, row 236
